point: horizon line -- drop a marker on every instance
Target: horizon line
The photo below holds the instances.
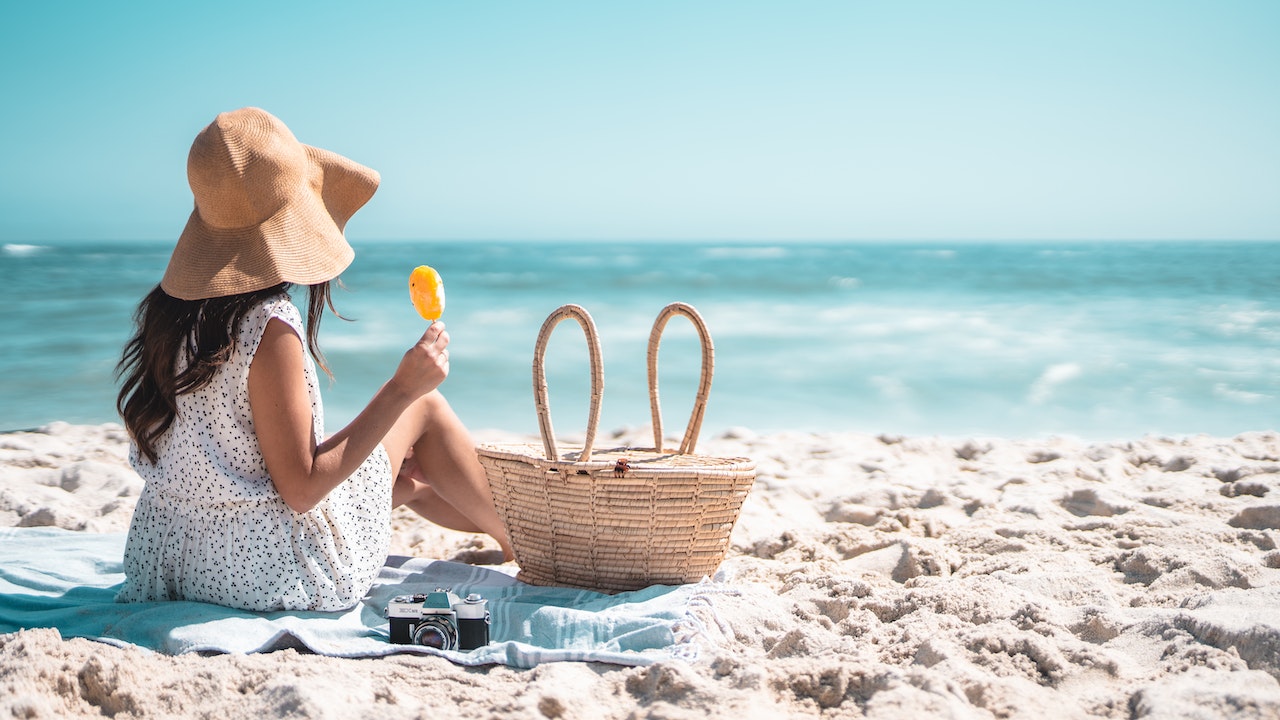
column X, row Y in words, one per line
column 681, row 240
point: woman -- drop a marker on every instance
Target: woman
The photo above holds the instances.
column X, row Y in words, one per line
column 247, row 503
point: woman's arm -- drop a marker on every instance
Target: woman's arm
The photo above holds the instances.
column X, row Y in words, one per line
column 302, row 471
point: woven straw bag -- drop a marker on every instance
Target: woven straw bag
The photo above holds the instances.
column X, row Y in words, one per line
column 621, row 518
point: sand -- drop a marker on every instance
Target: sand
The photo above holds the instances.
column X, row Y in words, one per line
column 873, row 576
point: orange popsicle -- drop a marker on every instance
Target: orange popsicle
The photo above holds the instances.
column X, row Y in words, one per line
column 426, row 289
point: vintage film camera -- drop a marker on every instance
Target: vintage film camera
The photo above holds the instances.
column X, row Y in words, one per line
column 439, row 620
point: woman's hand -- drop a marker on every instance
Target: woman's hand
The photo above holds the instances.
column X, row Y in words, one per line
column 425, row 365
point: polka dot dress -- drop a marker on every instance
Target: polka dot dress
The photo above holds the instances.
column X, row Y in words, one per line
column 210, row 525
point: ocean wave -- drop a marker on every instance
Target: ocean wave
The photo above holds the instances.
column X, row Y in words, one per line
column 1053, row 376
column 23, row 250
column 1224, row 391
column 739, row 252
column 1263, row 324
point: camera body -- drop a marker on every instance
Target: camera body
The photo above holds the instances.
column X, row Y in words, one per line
column 440, row 620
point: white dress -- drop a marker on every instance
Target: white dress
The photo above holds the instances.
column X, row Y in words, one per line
column 210, row 526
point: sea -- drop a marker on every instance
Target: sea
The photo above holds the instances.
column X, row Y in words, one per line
column 1095, row 340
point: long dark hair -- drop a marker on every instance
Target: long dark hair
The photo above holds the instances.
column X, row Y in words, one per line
column 199, row 332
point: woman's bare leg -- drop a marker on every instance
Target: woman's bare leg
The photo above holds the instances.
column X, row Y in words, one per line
column 437, row 472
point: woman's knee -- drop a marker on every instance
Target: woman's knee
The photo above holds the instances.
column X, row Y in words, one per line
column 407, row 430
column 415, row 423
column 433, row 405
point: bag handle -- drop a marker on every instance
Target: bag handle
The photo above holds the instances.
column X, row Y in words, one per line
column 690, row 440
column 566, row 312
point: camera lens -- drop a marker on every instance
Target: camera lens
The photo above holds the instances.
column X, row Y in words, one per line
column 436, row 633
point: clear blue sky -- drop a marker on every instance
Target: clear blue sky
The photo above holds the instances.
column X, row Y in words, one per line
column 914, row 120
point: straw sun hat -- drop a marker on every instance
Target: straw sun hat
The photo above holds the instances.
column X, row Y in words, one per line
column 268, row 210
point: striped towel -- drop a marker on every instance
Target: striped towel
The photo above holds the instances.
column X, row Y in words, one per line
column 52, row 578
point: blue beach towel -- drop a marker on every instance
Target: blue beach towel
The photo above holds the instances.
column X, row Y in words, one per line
column 52, row 578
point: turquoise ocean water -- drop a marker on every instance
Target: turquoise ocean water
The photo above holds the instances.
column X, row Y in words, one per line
column 1099, row 340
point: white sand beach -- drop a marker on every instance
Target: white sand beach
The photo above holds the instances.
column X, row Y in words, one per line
column 868, row 576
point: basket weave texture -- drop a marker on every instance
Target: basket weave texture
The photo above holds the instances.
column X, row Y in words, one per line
column 620, row 518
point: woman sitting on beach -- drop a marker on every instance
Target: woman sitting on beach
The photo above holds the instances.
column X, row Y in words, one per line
column 247, row 503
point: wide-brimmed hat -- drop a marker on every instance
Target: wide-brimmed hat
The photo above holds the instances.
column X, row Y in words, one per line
column 268, row 210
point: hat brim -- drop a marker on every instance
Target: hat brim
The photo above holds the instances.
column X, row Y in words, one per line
column 303, row 242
